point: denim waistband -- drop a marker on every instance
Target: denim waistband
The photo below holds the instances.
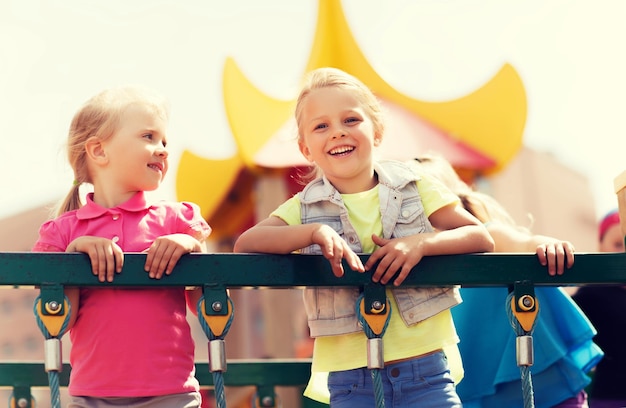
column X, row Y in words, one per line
column 409, row 370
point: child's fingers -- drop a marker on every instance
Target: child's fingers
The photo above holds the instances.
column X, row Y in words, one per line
column 102, row 262
column 93, row 258
column 163, row 260
column 379, row 273
column 154, row 259
column 118, row 254
column 570, row 259
column 337, row 258
column 178, row 253
column 552, row 260
column 404, row 272
column 158, row 268
column 110, row 262
column 374, row 257
column 168, row 260
column 337, row 269
column 560, row 260
column 541, row 254
column 332, row 250
column 98, row 262
column 569, row 253
column 149, row 258
column 355, row 262
column 396, row 265
column 557, row 256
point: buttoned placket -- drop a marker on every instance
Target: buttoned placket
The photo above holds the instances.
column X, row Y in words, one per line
column 116, row 218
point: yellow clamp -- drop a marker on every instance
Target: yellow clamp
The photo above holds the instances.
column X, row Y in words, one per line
column 529, row 307
column 217, row 323
column 377, row 319
column 53, row 321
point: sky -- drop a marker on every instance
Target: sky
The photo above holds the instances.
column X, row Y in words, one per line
column 54, row 55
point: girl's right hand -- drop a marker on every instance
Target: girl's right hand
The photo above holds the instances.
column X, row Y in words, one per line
column 335, row 249
column 107, row 258
column 557, row 255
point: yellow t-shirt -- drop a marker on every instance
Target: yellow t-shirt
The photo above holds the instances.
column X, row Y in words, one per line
column 349, row 351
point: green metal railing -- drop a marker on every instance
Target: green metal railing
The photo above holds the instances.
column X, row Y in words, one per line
column 215, row 273
column 263, row 374
column 284, row 271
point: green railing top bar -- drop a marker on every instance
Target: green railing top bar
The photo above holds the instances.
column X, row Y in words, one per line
column 293, row 270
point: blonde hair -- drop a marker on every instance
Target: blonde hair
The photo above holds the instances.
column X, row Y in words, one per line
column 333, row 77
column 480, row 205
column 100, row 117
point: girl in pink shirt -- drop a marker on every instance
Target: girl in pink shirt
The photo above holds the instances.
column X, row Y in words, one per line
column 130, row 346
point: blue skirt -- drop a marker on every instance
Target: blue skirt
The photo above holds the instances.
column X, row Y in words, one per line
column 562, row 340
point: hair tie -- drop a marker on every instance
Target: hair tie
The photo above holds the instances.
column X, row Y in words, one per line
column 76, row 183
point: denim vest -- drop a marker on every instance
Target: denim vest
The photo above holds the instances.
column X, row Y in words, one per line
column 331, row 311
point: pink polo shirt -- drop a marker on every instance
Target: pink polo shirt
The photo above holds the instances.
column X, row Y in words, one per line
column 129, row 342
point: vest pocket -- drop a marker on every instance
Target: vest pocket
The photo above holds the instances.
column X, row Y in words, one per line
column 411, row 217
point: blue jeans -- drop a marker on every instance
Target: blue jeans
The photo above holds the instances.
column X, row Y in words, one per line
column 423, row 382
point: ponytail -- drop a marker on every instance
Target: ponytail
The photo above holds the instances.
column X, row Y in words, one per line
column 71, row 201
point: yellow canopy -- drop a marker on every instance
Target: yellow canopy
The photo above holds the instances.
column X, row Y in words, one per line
column 487, row 123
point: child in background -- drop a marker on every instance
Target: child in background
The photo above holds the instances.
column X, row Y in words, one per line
column 360, row 205
column 131, row 347
column 605, row 306
column 563, row 347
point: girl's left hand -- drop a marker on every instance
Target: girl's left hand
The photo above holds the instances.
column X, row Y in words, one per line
column 165, row 252
column 398, row 254
column 557, row 255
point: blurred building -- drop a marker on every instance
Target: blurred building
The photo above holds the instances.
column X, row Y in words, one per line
column 548, row 197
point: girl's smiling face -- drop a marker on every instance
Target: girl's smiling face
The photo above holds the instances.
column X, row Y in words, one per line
column 137, row 158
column 338, row 136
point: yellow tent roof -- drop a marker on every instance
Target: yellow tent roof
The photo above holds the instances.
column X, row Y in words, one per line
column 486, row 125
